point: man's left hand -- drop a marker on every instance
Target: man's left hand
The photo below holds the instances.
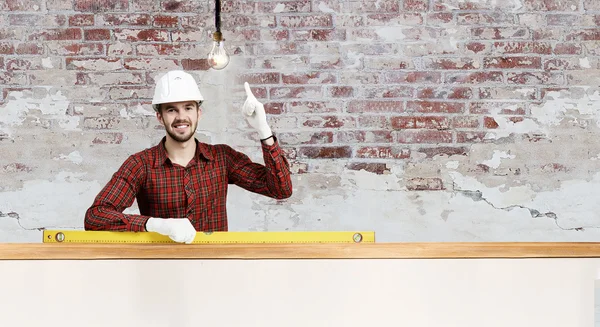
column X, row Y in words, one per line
column 255, row 114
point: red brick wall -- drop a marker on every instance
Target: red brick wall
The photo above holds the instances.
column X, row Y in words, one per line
column 371, row 82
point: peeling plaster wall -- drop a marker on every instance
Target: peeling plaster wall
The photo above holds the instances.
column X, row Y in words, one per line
column 442, row 120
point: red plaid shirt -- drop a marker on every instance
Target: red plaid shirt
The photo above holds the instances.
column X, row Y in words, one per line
column 197, row 192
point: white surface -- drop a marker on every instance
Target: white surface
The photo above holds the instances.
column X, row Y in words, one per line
column 415, row 293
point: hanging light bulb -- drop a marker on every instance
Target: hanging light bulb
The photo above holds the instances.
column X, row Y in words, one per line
column 218, row 58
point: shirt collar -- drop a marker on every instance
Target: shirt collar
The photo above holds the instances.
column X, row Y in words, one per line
column 202, row 151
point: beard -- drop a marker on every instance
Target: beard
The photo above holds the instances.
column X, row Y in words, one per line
column 178, row 137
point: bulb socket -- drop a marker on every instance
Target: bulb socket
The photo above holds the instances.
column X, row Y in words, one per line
column 218, row 36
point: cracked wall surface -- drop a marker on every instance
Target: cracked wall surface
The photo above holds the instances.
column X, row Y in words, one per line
column 442, row 120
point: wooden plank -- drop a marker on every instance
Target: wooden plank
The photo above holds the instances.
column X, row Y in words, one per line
column 34, row 251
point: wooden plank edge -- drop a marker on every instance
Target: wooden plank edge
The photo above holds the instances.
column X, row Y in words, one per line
column 434, row 250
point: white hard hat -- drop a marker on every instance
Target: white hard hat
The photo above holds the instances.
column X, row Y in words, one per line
column 175, row 86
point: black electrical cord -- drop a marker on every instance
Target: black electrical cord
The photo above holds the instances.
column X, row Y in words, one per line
column 218, row 15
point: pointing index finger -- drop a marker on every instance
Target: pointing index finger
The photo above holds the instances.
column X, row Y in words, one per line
column 248, row 90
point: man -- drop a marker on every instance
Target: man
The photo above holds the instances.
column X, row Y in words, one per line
column 181, row 184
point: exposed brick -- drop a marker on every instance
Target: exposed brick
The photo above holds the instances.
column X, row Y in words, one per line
column 349, row 20
column 477, row 47
column 195, row 64
column 367, row 106
column 378, row 122
column 274, row 35
column 37, row 20
column 383, row 152
column 522, row 47
column 281, row 48
column 512, row 62
column 58, row 5
column 273, row 108
column 29, row 48
column 93, row 63
column 474, row 77
column 7, row 48
column 393, row 19
column 130, row 92
column 314, row 20
column 387, row 63
column 490, row 123
column 284, row 7
column 75, row 49
column 187, row 36
column 451, row 63
column 184, row 6
column 158, row 64
column 423, row 136
column 141, row 35
column 388, row 92
column 306, row 138
column 584, row 35
column 81, row 20
column 420, row 122
column 308, row 78
column 482, row 18
column 465, row 122
column 379, row 6
column 508, row 93
column 416, row 5
column 376, row 168
column 340, row 91
column 56, row 34
column 567, row 49
column 425, row 184
column 108, row 138
column 101, row 122
column 259, row 78
column 413, row 77
column 470, row 137
column 24, row 5
column 23, row 64
column 435, row 107
column 330, row 122
column 551, row 5
column 356, row 136
column 505, row 108
column 439, row 18
column 311, row 107
column 499, row 33
column 563, row 64
column 535, row 78
column 325, row 152
column 112, row 78
column 563, row 20
column 431, row 152
column 320, row 35
column 101, row 5
column 295, row 92
column 444, row 93
column 165, row 21
column 119, row 49
column 159, row 49
column 12, row 78
column 547, row 33
column 16, row 167
column 96, row 34
column 125, row 19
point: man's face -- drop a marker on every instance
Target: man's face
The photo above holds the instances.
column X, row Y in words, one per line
column 180, row 119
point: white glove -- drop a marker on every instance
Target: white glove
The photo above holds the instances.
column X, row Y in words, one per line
column 255, row 114
column 179, row 230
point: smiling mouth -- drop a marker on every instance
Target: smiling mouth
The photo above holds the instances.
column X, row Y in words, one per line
column 181, row 126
